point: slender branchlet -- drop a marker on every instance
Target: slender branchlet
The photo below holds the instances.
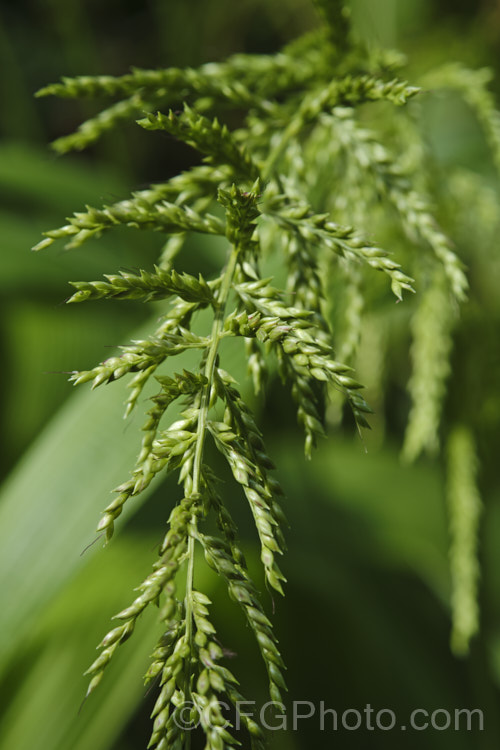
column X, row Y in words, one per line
column 464, row 505
column 472, row 85
column 396, row 186
column 432, row 327
column 337, row 19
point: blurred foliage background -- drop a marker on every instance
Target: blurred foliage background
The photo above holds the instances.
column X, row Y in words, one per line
column 366, row 616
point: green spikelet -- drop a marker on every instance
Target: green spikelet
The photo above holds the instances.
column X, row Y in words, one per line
column 464, row 504
column 431, row 328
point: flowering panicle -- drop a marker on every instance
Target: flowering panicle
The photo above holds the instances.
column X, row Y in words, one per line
column 258, row 193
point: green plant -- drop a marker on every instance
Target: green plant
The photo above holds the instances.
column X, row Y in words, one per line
column 309, row 151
